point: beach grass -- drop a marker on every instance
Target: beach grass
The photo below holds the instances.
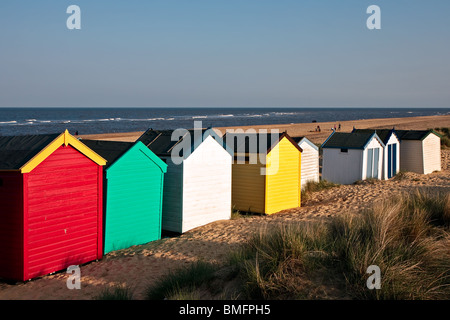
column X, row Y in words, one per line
column 183, row 283
column 238, row 214
column 367, row 181
column 117, row 292
column 235, row 214
column 284, row 262
column 316, row 186
column 406, row 236
column 445, row 136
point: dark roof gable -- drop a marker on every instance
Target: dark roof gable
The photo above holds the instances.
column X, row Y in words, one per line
column 266, row 141
column 383, row 134
column 160, row 141
column 297, row 139
column 414, row 134
column 346, row 140
column 16, row 151
column 109, row 150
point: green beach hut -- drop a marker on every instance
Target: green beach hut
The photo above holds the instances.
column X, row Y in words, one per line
column 133, row 189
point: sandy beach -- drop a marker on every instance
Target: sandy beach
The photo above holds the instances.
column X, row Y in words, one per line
column 308, row 129
column 139, row 266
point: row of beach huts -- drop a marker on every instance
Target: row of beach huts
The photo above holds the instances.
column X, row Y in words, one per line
column 67, row 201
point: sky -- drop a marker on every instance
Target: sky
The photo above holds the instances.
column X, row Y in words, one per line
column 225, row 53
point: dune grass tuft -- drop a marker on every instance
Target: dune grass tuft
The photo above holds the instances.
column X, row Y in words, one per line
column 407, row 237
column 117, row 292
column 183, row 283
column 445, row 133
column 313, row 186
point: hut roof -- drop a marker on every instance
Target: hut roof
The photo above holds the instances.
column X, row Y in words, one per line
column 16, row 151
column 347, row 140
column 264, row 142
column 109, row 150
column 384, row 134
column 160, row 141
column 414, row 134
column 297, row 139
column 305, row 139
column 113, row 150
column 25, row 152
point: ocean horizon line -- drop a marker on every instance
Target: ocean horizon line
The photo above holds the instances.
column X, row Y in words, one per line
column 223, row 107
column 91, row 120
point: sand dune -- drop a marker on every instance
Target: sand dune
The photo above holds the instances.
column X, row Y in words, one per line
column 139, row 266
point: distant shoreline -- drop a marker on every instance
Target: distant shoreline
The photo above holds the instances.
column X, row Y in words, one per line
column 95, row 121
column 308, row 129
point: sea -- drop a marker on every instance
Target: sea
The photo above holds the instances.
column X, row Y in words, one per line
column 25, row 121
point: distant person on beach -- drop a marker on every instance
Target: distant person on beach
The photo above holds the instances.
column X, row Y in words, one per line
column 339, row 127
column 76, row 132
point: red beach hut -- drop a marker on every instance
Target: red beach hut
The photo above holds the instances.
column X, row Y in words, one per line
column 50, row 205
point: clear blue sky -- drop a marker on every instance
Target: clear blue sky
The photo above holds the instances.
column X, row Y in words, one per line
column 225, row 53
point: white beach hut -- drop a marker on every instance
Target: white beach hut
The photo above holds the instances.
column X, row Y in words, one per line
column 420, row 150
column 349, row 157
column 197, row 185
column 310, row 160
column 391, row 151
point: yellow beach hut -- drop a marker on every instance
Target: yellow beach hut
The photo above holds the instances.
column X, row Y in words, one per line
column 266, row 172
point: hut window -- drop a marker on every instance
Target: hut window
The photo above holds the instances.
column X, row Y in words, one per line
column 344, row 150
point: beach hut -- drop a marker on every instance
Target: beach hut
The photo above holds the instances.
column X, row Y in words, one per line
column 391, row 150
column 51, row 205
column 349, row 157
column 420, row 150
column 266, row 172
column 133, row 189
column 310, row 160
column 197, row 185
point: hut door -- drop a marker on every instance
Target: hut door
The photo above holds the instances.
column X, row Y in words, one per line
column 369, row 163
column 376, row 158
column 389, row 160
column 373, row 157
column 392, row 160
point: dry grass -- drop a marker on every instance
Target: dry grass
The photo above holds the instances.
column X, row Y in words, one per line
column 406, row 236
column 312, row 186
column 445, row 133
column 118, row 292
column 184, row 283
